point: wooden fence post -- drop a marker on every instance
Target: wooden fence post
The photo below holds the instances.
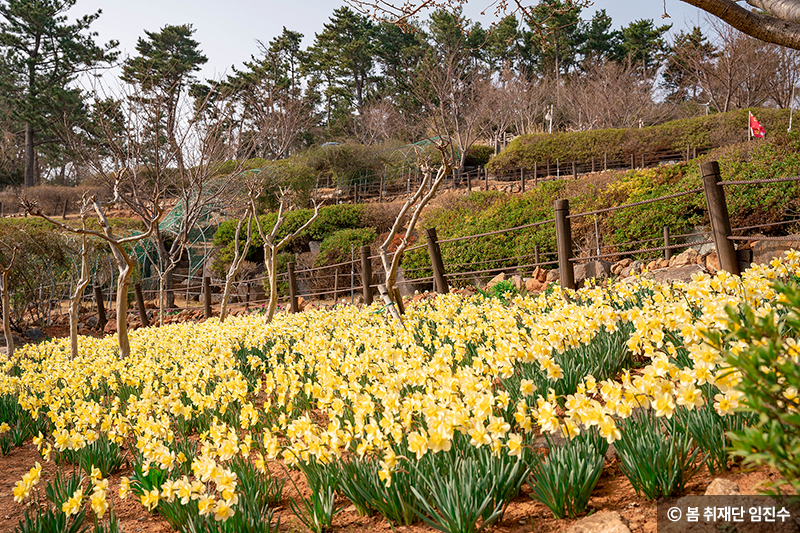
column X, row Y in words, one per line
column 293, row 307
column 633, row 161
column 535, row 174
column 643, row 163
column 137, row 290
column 64, row 211
column 592, row 164
column 718, row 214
column 485, row 180
column 548, row 167
column 574, row 170
column 469, row 182
column 667, row 249
column 439, row 281
column 566, row 269
column 522, row 179
column 366, row 274
column 383, row 180
column 694, row 152
column 206, row 297
column 101, row 309
column 605, row 160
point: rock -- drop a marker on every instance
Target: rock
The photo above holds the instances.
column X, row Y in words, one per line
column 637, row 267
column 111, row 327
column 766, row 251
column 625, row 262
column 533, row 285
column 602, row 522
column 302, row 304
column 17, row 340
column 552, row 276
column 712, row 262
column 540, row 274
column 688, row 257
column 616, row 269
column 722, row 487
column 34, row 334
column 663, row 263
column 682, row 273
column 518, row 283
column 652, row 265
column 91, row 322
column 495, row 280
column 314, row 246
column 592, row 269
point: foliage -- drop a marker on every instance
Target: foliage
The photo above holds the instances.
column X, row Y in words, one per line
column 766, row 361
column 317, row 510
column 478, row 155
column 656, row 455
column 564, row 481
column 336, row 247
column 704, row 133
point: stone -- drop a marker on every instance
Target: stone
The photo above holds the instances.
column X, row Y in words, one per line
column 616, row 269
column 34, row 334
column 637, row 267
column 712, row 262
column 592, row 269
column 17, row 340
column 602, row 522
column 495, row 280
column 625, row 262
column 533, row 285
column 552, row 276
column 688, row 257
column 652, row 265
column 540, row 274
column 91, row 322
column 663, row 263
column 315, row 247
column 682, row 273
column 111, row 327
column 302, row 304
column 722, row 487
column 518, row 283
column 766, row 251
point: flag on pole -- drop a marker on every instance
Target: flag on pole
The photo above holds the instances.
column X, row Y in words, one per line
column 756, row 129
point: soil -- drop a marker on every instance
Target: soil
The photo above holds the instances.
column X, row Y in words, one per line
column 613, row 492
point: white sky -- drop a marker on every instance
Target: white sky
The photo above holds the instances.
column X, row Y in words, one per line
column 227, row 30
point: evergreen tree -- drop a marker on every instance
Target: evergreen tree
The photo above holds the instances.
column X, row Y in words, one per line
column 689, row 52
column 42, row 56
column 600, row 42
column 643, row 45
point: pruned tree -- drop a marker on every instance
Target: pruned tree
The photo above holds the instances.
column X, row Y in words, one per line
column 271, row 247
column 125, row 264
column 239, row 253
column 83, row 281
column 5, row 270
column 431, row 179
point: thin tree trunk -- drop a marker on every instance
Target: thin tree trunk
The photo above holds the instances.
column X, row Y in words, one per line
column 272, row 274
column 7, row 317
column 30, row 157
column 123, row 284
column 75, row 301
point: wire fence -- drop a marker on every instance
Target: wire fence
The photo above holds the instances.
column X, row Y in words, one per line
column 347, row 280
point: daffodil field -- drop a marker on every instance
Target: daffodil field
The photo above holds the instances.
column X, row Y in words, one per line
column 440, row 420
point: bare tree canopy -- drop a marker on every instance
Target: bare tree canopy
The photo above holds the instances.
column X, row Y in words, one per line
column 778, row 24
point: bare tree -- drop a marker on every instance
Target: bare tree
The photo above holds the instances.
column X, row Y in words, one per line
column 4, row 272
column 431, row 179
column 610, row 95
column 83, row 281
column 239, row 253
column 271, row 248
column 125, row 264
column 779, row 24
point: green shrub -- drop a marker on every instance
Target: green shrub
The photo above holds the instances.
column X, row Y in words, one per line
column 705, row 133
column 770, row 379
column 478, row 155
column 336, row 246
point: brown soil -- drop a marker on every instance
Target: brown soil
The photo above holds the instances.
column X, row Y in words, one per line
column 613, row 492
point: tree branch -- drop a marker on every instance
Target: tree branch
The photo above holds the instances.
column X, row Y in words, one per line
column 764, row 27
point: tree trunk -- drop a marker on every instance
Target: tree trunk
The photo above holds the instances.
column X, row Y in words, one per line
column 7, row 317
column 30, row 157
column 75, row 301
column 271, row 261
column 123, row 284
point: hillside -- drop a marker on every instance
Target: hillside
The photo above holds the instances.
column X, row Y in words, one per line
column 702, row 133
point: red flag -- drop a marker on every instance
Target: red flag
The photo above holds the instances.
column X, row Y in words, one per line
column 756, row 129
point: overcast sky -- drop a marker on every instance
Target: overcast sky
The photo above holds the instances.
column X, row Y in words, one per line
column 227, row 31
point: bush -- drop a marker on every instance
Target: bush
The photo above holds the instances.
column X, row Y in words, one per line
column 336, row 247
column 478, row 155
column 770, row 379
column 705, row 133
